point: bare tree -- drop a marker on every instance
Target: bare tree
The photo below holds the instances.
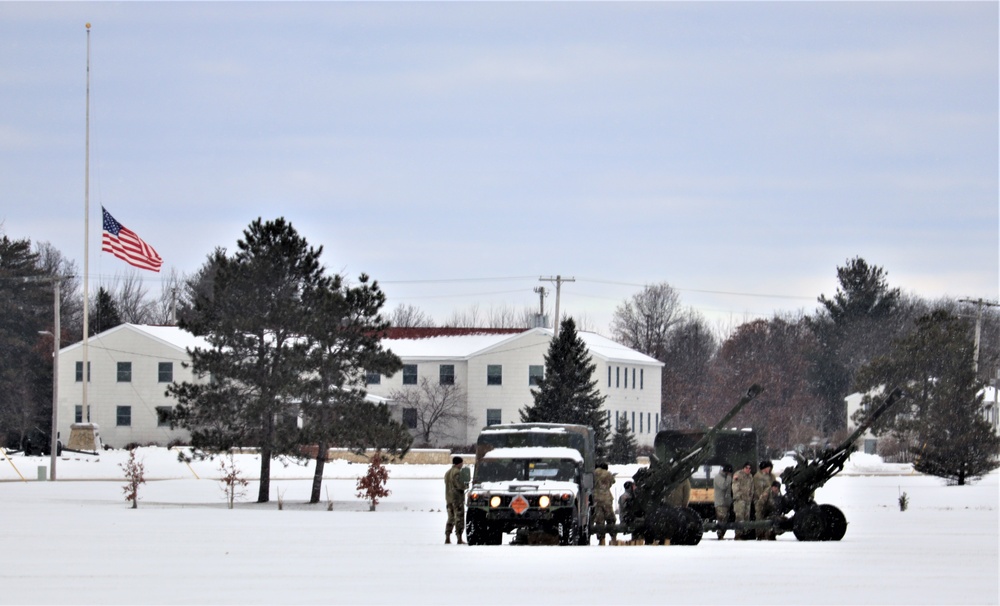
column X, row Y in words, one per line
column 408, row 316
column 644, row 321
column 470, row 318
column 163, row 311
column 130, row 297
column 435, row 409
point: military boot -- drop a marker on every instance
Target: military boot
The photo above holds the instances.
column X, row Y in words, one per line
column 459, row 541
column 600, row 541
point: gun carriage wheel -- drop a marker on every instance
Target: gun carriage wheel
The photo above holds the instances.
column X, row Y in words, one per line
column 836, row 523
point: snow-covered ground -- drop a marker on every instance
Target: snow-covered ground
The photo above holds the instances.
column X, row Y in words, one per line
column 77, row 542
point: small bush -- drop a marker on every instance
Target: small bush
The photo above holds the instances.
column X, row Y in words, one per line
column 134, row 476
column 371, row 486
column 904, row 501
column 233, row 482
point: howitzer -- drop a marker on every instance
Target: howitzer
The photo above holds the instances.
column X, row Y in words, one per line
column 809, row 521
column 812, row 522
column 654, row 511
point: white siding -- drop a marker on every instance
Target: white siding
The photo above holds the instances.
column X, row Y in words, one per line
column 144, row 393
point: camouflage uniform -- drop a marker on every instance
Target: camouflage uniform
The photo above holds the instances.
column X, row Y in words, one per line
column 722, row 487
column 742, row 498
column 454, row 494
column 604, row 508
column 762, row 481
column 768, row 506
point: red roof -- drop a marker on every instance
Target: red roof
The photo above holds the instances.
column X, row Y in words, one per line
column 426, row 333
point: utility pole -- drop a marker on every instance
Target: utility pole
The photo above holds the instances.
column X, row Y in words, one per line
column 558, row 280
column 541, row 306
column 56, row 331
column 980, row 304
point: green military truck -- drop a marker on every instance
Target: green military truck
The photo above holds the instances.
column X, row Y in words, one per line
column 532, row 478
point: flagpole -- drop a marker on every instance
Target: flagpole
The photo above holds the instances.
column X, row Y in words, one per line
column 84, row 410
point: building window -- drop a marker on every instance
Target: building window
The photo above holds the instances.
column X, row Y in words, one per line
column 79, row 372
column 633, row 378
column 124, row 416
column 163, row 416
column 640, row 422
column 493, row 416
column 373, row 378
column 618, row 376
column 641, row 380
column 409, row 374
column 410, row 418
column 657, row 420
column 447, row 374
column 124, row 372
column 633, row 420
column 609, row 376
column 78, row 414
column 535, row 374
column 166, row 372
column 494, row 374
column 649, row 417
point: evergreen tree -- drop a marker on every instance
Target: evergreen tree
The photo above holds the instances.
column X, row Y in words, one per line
column 623, row 449
column 944, row 406
column 852, row 328
column 344, row 341
column 26, row 307
column 104, row 314
column 253, row 315
column 568, row 393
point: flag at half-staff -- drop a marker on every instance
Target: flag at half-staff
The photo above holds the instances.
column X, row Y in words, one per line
column 125, row 244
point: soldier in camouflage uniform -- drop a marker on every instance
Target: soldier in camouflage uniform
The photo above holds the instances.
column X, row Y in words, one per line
column 723, row 491
column 604, row 508
column 743, row 498
column 762, row 481
column 454, row 494
column 769, row 506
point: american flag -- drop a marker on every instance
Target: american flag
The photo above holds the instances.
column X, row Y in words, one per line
column 123, row 243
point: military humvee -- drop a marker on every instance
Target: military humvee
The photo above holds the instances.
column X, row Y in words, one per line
column 532, row 478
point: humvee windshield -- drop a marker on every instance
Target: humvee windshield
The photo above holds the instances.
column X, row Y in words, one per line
column 504, row 470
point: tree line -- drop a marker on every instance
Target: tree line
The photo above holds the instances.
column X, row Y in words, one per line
column 858, row 339
column 867, row 337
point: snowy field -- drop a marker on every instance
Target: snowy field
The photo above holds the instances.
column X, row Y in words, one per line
column 76, row 541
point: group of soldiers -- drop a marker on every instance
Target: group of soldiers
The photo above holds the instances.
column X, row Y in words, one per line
column 747, row 496
column 743, row 495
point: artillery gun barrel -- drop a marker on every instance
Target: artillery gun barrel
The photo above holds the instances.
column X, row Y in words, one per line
column 886, row 404
column 706, row 439
column 802, row 480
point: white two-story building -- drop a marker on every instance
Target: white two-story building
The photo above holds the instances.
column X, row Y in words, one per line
column 497, row 369
column 132, row 365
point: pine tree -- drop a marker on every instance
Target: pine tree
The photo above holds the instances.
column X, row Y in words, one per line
column 251, row 311
column 344, row 333
column 934, row 366
column 623, row 449
column 568, row 393
column 852, row 328
column 105, row 314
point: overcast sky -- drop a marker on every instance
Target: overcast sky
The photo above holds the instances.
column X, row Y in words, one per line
column 456, row 152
